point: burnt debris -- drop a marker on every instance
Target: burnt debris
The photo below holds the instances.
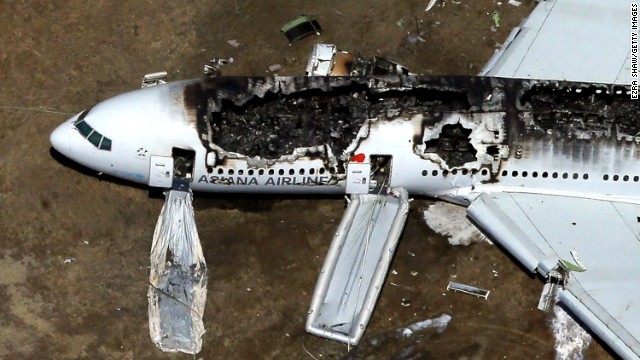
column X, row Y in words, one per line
column 270, row 118
column 453, row 145
column 584, row 111
column 276, row 125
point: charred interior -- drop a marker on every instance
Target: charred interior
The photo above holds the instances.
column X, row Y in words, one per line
column 275, row 124
column 381, row 170
column 272, row 118
column 453, row 145
column 582, row 111
column 183, row 163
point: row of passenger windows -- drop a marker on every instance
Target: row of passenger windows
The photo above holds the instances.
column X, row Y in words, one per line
column 94, row 137
column 281, row 172
column 484, row 172
column 606, row 177
column 544, row 174
column 533, row 174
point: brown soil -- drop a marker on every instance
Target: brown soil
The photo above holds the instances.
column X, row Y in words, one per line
column 58, row 58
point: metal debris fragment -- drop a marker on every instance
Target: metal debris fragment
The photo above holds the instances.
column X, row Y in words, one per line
column 275, row 68
column 153, row 79
column 213, row 68
column 430, row 5
column 468, row 289
column 327, row 60
column 440, row 324
column 300, row 28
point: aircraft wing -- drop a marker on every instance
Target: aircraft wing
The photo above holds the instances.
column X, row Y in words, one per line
column 559, row 39
column 603, row 236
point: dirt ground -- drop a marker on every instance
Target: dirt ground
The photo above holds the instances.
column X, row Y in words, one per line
column 58, row 58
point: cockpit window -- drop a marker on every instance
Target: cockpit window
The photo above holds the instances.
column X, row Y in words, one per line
column 94, row 137
column 84, row 128
column 106, row 144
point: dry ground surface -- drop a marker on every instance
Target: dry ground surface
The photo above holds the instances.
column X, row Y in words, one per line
column 65, row 56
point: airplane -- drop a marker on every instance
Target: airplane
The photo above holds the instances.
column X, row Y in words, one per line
column 546, row 168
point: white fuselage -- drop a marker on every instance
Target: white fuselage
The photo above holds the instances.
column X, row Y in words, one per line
column 145, row 125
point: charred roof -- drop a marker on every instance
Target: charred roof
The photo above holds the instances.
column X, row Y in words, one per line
column 269, row 117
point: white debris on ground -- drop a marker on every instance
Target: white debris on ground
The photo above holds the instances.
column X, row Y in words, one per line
column 571, row 339
column 440, row 324
column 451, row 221
column 178, row 279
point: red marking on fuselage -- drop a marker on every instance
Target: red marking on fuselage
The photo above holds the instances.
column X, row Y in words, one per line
column 358, row 158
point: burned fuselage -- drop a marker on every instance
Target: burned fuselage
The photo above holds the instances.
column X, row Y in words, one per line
column 436, row 135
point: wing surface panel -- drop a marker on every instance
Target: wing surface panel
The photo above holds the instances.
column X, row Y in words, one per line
column 539, row 230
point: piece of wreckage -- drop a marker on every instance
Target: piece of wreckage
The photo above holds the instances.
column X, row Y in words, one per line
column 523, row 155
column 327, row 60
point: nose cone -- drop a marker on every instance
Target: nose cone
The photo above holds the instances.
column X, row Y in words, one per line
column 60, row 138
